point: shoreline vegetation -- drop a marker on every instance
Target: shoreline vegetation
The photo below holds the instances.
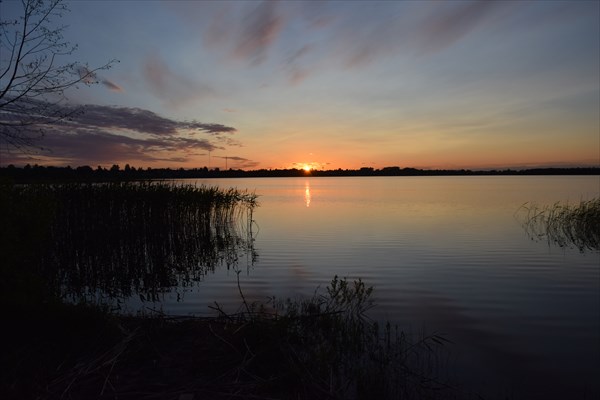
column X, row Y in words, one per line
column 37, row 173
column 318, row 348
column 69, row 247
column 83, row 240
column 64, row 244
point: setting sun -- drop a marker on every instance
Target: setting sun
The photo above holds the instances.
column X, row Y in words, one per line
column 306, row 168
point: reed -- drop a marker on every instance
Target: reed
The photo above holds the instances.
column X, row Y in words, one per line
column 111, row 240
column 564, row 224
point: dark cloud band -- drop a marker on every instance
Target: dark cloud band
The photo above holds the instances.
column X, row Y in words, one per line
column 107, row 134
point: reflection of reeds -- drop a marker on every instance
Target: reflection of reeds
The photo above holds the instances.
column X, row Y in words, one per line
column 565, row 225
column 119, row 239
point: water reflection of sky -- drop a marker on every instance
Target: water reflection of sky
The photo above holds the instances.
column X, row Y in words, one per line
column 446, row 254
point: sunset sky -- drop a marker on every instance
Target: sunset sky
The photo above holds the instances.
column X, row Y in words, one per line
column 331, row 85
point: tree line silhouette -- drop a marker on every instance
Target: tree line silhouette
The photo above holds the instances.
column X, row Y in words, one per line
column 36, row 172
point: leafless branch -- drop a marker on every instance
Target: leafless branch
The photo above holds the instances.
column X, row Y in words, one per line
column 34, row 74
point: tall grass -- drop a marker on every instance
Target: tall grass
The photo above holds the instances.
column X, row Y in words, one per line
column 564, row 224
column 327, row 347
column 124, row 238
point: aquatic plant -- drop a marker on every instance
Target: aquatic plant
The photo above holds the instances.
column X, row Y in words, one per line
column 125, row 238
column 565, row 224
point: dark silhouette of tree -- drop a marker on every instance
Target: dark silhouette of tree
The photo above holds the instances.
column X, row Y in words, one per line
column 33, row 74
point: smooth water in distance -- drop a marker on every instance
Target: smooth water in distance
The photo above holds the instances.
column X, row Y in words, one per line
column 444, row 254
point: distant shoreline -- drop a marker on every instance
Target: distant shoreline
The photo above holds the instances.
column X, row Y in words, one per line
column 85, row 173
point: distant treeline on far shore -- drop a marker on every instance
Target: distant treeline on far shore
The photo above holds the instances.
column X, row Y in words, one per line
column 49, row 173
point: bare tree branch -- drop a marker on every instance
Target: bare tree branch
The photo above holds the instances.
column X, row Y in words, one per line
column 32, row 78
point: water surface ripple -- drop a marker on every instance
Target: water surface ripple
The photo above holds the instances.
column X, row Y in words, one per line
column 444, row 254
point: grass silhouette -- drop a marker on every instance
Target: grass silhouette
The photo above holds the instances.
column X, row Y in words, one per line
column 564, row 224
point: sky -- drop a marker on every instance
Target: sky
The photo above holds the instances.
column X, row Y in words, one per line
column 328, row 85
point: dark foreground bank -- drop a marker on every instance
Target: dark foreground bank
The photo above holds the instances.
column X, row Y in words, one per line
column 319, row 348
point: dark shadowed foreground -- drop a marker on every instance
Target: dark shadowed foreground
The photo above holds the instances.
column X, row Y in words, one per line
column 320, row 348
column 68, row 248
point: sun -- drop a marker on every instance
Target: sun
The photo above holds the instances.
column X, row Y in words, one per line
column 306, row 168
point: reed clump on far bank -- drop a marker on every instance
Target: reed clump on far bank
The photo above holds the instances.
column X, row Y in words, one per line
column 565, row 224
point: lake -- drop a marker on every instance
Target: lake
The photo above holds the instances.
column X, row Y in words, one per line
column 444, row 254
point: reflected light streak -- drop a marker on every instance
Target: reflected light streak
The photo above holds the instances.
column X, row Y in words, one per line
column 307, row 194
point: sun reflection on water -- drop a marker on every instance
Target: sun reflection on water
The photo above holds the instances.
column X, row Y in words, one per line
column 307, row 193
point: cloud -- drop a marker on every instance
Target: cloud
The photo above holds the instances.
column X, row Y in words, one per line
column 238, row 162
column 105, row 134
column 173, row 89
column 350, row 35
column 296, row 66
column 299, row 53
column 312, row 165
column 447, row 25
column 143, row 121
column 219, row 27
column 90, row 77
column 242, row 33
column 111, row 85
column 365, row 35
column 362, row 34
column 91, row 147
column 227, row 141
column 215, row 129
column 259, row 29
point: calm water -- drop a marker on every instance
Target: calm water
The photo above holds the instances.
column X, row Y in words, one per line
column 445, row 255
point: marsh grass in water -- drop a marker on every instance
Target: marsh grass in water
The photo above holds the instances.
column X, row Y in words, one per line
column 564, row 224
column 84, row 241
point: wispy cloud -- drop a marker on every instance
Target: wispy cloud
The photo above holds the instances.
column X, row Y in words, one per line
column 303, row 39
column 111, row 85
column 259, row 29
column 238, row 162
column 449, row 24
column 172, row 88
column 89, row 77
column 243, row 31
column 296, row 65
